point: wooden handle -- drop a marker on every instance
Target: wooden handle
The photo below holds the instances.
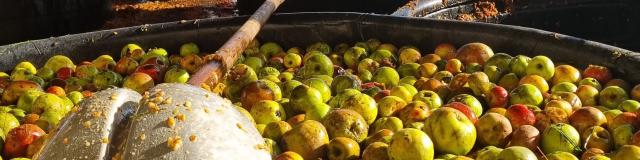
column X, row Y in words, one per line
column 211, row 73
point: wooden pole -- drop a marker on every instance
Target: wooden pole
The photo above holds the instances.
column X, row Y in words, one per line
column 213, row 72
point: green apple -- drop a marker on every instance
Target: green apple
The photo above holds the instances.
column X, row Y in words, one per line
column 366, row 64
column 588, row 95
column 376, row 151
column 104, row 62
column 268, row 71
column 8, row 122
column 488, row 153
column 26, row 100
column 390, row 105
column 409, row 55
column 622, row 134
column 409, row 69
column 629, row 105
column 432, row 99
column 564, row 87
column 176, row 75
column 317, row 64
column 509, row 81
column 516, row 152
column 308, row 138
column 59, row 61
column 591, row 82
column 275, row 130
column 343, row 82
column 254, row 62
column 353, row 56
column 133, row 51
column 451, row 133
column 526, row 94
column 342, row 95
column 519, row 65
column 342, row 148
column 108, row 78
column 383, row 57
column 20, row 74
column 267, row 111
column 189, row 48
column 402, row 92
column 303, row 95
column 320, row 47
column 48, row 103
column 386, row 75
column 391, row 123
column 627, row 152
column 541, row 66
column 363, row 104
column 46, row 73
column 272, row 147
column 412, row 144
column 560, row 137
column 317, row 111
column 27, row 66
column 365, row 76
column 155, row 52
column 75, row 97
column 321, row 86
column 612, row 96
column 500, row 60
column 292, row 60
column 493, row 73
column 472, row 102
column 288, row 86
column 561, row 156
column 597, row 137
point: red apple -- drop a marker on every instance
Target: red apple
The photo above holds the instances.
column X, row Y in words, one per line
column 381, row 94
column 474, row 53
column 64, row 73
column 464, row 109
column 525, row 136
column 519, row 114
column 586, row 117
column 497, row 97
column 635, row 139
column 625, row 118
column 635, row 92
column 57, row 90
column 126, row 66
column 454, row 66
column 19, row 139
column 155, row 71
column 84, row 63
column 600, row 73
column 445, row 51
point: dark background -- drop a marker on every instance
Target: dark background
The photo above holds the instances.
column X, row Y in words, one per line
column 614, row 22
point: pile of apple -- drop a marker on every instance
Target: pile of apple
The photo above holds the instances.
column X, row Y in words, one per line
column 36, row 99
column 372, row 100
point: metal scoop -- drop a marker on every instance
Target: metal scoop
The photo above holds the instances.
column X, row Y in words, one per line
column 173, row 121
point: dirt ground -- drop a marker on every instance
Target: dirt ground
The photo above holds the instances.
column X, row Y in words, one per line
column 131, row 13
